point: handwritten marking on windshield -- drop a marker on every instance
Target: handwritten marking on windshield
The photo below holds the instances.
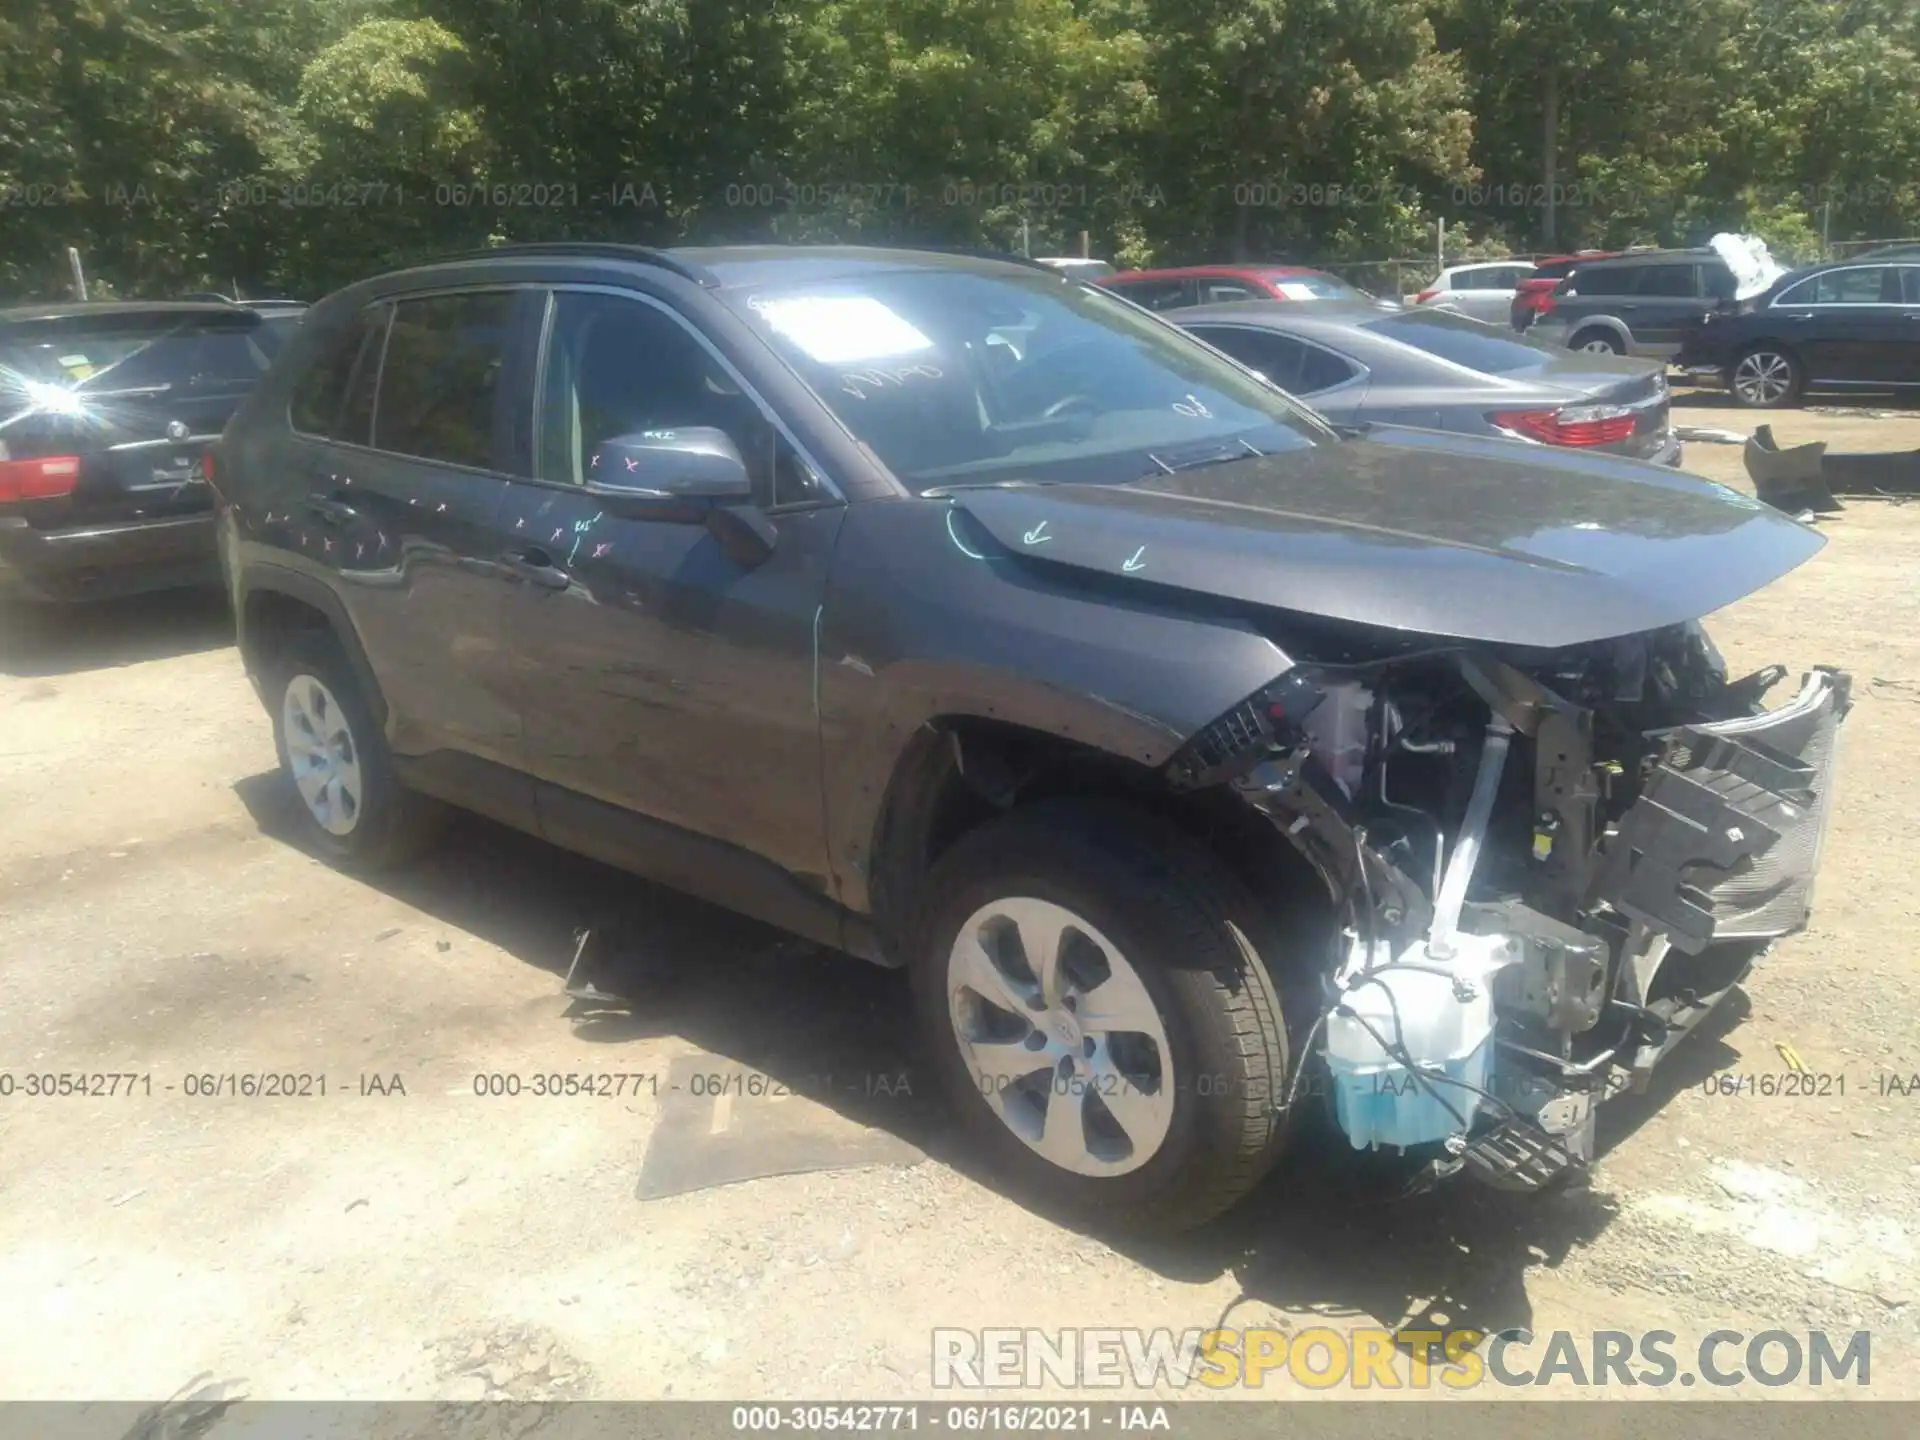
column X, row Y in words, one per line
column 1037, row 535
column 1194, row 406
column 1134, row 562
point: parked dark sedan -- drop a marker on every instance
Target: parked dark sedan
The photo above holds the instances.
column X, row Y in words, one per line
column 1446, row 372
column 106, row 413
column 1848, row 326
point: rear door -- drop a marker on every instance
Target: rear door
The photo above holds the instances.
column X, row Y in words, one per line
column 402, row 494
column 137, row 397
column 1668, row 299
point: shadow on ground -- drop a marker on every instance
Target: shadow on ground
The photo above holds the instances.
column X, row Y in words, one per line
column 1849, row 402
column 1327, row 1232
column 47, row 640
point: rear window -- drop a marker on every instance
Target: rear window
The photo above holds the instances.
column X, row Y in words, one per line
column 116, row 356
column 1487, row 348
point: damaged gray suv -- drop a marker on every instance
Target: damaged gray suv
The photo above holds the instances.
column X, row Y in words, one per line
column 1201, row 763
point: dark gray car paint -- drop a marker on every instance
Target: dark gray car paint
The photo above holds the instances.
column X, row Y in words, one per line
column 1132, row 618
column 1414, row 530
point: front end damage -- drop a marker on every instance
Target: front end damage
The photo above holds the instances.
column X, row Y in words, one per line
column 1550, row 867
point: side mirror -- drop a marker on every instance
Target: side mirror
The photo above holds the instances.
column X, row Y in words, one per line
column 693, row 464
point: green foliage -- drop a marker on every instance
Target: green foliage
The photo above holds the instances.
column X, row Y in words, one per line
column 288, row 146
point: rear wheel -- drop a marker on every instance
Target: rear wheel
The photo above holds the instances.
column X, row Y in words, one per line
column 1765, row 378
column 1597, row 342
column 1099, row 1016
column 353, row 808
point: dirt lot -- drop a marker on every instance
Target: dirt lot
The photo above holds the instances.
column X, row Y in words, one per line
column 440, row 1243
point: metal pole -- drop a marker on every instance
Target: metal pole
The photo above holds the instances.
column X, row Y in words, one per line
column 79, row 273
column 1440, row 245
column 1026, row 246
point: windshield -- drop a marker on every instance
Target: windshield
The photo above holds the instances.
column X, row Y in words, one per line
column 1490, row 349
column 955, row 377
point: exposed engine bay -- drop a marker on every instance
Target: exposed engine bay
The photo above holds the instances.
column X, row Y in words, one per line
column 1550, row 866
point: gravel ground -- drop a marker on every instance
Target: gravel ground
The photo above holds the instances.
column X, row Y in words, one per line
column 403, row 1237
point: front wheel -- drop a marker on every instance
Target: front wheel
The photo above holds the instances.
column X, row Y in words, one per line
column 1765, row 378
column 1099, row 1016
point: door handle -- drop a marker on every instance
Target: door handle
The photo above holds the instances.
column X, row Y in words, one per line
column 335, row 512
column 536, row 567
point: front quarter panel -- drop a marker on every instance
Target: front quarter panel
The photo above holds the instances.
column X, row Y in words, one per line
column 923, row 619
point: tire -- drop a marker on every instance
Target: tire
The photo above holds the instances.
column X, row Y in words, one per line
column 385, row 824
column 1766, row 377
column 1597, row 341
column 1180, row 922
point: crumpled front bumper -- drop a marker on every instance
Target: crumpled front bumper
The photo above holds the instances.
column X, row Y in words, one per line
column 1726, row 837
column 1720, row 850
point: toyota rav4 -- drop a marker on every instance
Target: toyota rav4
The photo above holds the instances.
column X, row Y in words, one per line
column 1198, row 761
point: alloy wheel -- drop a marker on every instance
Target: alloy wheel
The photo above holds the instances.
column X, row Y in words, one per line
column 1600, row 347
column 1062, row 1036
column 322, row 756
column 1763, row 378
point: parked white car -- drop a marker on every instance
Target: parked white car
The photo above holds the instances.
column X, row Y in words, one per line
column 1482, row 292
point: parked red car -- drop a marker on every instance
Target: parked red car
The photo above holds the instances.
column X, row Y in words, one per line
column 1533, row 296
column 1218, row 284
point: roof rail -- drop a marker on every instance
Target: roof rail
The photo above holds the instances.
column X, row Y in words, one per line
column 586, row 249
column 978, row 253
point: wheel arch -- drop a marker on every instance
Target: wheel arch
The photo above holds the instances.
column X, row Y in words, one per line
column 1610, row 324
column 961, row 771
column 275, row 604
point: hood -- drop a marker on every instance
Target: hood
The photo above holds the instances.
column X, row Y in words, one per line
column 1445, row 535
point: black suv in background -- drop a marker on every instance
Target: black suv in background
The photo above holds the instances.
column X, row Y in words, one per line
column 957, row 614
column 1847, row 326
column 106, row 413
column 1641, row 303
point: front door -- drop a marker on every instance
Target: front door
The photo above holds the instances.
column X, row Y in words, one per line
column 658, row 675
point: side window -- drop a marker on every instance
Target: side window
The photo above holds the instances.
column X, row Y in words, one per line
column 1322, row 370
column 1155, row 294
column 1278, row 357
column 1667, row 281
column 1910, row 284
column 1801, row 294
column 1863, row 285
column 618, row 367
column 1216, row 292
column 1473, row 280
column 441, row 377
column 319, row 399
column 1717, row 281
column 356, row 418
column 1601, row 281
column 1511, row 277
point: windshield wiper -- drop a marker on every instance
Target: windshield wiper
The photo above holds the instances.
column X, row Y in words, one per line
column 940, row 491
column 1217, row 455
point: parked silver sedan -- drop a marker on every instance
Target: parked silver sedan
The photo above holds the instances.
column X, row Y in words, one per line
column 1439, row 371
